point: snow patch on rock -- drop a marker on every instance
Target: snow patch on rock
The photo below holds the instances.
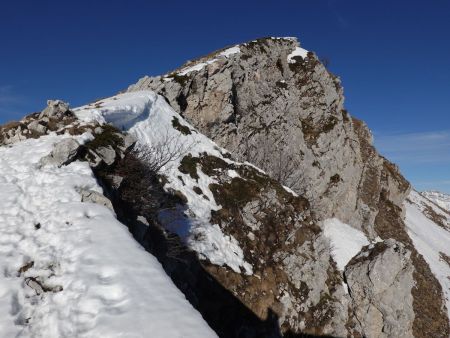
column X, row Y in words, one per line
column 346, row 241
column 230, row 51
column 199, row 66
column 298, row 51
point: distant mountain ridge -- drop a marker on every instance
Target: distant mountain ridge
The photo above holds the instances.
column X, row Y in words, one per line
column 440, row 198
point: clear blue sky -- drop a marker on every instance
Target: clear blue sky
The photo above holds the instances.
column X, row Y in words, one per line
column 392, row 56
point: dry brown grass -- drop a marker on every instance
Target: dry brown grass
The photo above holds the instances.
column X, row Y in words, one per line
column 11, row 125
column 444, row 258
column 312, row 131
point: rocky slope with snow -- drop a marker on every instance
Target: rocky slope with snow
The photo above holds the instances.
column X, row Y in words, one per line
column 256, row 237
column 428, row 226
column 262, row 199
column 270, row 96
column 272, row 103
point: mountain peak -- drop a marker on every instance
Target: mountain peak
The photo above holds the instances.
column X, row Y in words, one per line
column 243, row 51
column 247, row 182
column 274, row 104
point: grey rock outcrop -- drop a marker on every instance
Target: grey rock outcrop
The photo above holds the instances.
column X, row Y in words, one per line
column 56, row 117
column 55, row 108
column 109, row 145
column 380, row 280
column 91, row 196
column 107, row 154
column 63, row 153
column 37, row 127
column 13, row 133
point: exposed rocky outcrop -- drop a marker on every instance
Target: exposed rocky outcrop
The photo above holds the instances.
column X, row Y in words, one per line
column 92, row 196
column 380, row 280
column 55, row 108
column 257, row 103
column 294, row 281
column 37, row 127
column 105, row 148
column 56, row 117
column 286, row 114
column 293, row 273
column 107, row 154
column 63, row 153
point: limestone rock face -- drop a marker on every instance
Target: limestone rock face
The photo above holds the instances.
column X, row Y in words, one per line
column 293, row 275
column 380, row 280
column 286, row 115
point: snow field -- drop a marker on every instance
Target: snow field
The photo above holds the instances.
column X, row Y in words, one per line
column 99, row 282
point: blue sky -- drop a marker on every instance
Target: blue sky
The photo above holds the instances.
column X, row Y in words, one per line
column 392, row 56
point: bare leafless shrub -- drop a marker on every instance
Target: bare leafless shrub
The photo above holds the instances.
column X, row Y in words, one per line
column 160, row 155
column 275, row 159
column 143, row 171
column 142, row 189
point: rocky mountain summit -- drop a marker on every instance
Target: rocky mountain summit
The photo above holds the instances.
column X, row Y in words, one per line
column 263, row 200
column 285, row 113
column 274, row 104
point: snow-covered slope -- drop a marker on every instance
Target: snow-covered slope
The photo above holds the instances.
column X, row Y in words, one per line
column 70, row 269
column 440, row 198
column 429, row 228
column 149, row 118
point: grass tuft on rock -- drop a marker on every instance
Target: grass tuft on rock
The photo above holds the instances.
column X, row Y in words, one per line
column 185, row 130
